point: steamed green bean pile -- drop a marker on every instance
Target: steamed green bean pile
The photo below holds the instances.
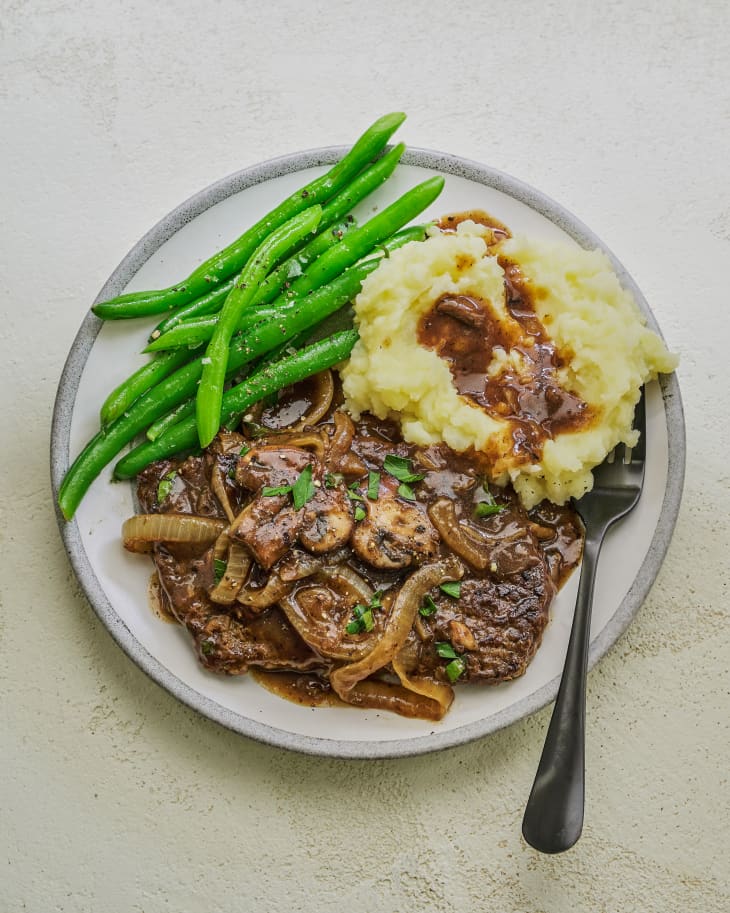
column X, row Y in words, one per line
column 234, row 329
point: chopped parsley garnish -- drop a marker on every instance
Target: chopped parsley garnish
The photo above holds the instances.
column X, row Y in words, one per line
column 405, row 491
column 373, row 485
column 269, row 491
column 165, row 486
column 455, row 669
column 244, row 450
column 362, row 615
column 207, row 647
column 451, row 588
column 428, row 608
column 353, row 494
column 445, row 650
column 360, row 513
column 401, row 468
column 362, row 620
column 332, row 479
column 489, row 506
column 303, row 489
column 485, row 509
column 219, row 569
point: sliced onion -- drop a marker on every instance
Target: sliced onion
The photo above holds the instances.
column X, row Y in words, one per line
column 340, row 457
column 305, row 440
column 143, row 530
column 258, row 598
column 325, row 391
column 380, row 695
column 341, row 440
column 358, row 588
column 218, row 486
column 296, row 565
column 398, row 624
column 326, row 636
column 238, row 565
column 439, row 694
column 467, row 543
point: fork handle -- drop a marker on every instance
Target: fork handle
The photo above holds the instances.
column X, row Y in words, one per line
column 554, row 813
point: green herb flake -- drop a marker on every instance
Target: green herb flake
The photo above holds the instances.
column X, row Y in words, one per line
column 367, row 619
column 354, row 495
column 219, row 569
column 207, row 647
column 445, row 650
column 377, row 601
column 485, row 509
column 271, row 492
column 332, row 479
column 303, row 489
column 373, row 485
column 428, row 608
column 360, row 513
column 165, row 486
column 353, row 627
column 401, row 468
column 244, row 450
column 455, row 669
column 451, row 588
column 405, row 491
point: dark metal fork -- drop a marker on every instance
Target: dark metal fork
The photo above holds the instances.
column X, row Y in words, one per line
column 554, row 814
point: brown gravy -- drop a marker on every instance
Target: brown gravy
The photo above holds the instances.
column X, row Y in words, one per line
column 303, row 688
column 464, row 330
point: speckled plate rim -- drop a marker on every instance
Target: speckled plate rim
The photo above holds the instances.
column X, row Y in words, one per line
column 61, row 428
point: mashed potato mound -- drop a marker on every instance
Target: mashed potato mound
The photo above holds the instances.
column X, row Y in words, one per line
column 593, row 322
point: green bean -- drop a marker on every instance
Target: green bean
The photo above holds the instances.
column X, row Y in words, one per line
column 206, row 304
column 143, row 379
column 215, row 362
column 191, row 333
column 212, row 303
column 336, row 209
column 181, row 386
column 181, row 411
column 289, row 370
column 360, row 242
column 231, row 259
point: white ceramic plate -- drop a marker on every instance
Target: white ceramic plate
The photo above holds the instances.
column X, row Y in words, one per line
column 116, row 582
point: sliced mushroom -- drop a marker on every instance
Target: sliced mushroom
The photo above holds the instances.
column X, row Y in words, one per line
column 395, row 533
column 327, row 521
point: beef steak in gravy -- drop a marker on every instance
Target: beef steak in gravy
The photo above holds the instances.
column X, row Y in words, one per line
column 377, row 509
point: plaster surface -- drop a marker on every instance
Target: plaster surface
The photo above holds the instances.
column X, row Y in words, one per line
column 113, row 795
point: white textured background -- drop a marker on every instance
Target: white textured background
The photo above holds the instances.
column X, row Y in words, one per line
column 115, row 797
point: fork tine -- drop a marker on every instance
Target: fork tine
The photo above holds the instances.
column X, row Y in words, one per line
column 639, row 451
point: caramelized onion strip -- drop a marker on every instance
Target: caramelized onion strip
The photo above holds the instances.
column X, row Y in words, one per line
column 143, row 530
column 237, row 567
column 321, row 633
column 379, row 695
column 340, row 457
column 258, row 598
column 438, row 694
column 218, row 486
column 472, row 549
column 325, row 391
column 306, row 440
column 398, row 624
